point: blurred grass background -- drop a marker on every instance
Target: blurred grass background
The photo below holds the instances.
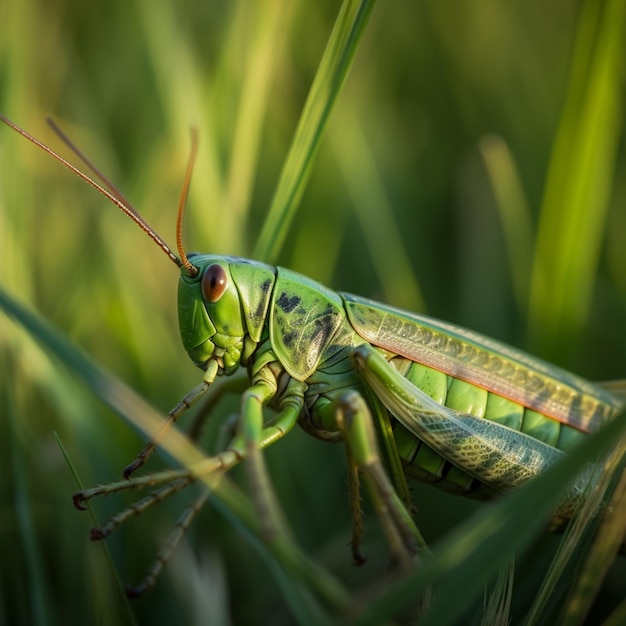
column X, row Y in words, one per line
column 473, row 169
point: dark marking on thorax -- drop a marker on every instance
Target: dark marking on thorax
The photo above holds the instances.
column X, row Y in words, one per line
column 288, row 304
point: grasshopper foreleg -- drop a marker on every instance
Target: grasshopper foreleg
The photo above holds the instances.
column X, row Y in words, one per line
column 137, row 508
column 255, row 436
column 211, row 465
column 234, row 385
column 186, row 403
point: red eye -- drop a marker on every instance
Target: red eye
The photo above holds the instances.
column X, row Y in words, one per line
column 214, row 282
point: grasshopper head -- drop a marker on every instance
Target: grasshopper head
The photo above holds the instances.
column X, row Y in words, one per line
column 222, row 309
column 209, row 314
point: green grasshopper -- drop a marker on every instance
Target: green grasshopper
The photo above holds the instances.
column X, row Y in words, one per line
column 410, row 396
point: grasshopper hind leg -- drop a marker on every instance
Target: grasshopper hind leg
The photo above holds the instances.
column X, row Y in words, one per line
column 354, row 419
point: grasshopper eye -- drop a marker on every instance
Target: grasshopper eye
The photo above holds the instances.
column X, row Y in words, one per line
column 214, row 283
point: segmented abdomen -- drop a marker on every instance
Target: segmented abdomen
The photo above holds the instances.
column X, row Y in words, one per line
column 424, row 464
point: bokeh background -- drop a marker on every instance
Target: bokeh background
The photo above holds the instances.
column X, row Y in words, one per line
column 473, row 169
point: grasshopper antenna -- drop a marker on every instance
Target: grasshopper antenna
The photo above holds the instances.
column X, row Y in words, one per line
column 192, row 270
column 89, row 164
column 110, row 192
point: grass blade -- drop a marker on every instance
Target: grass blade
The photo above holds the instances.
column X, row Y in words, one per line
column 513, row 210
column 39, row 591
column 578, row 186
column 326, row 87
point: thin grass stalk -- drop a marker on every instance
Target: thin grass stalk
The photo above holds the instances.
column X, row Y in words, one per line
column 610, row 536
column 128, row 612
column 573, row 546
column 498, row 609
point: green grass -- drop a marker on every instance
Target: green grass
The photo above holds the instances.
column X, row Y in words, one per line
column 463, row 135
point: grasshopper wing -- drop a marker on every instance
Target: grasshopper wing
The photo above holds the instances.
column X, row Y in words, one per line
column 483, row 362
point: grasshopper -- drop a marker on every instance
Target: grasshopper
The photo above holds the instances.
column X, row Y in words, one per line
column 410, row 396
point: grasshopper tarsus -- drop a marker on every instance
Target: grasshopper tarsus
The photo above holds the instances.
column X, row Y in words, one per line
column 78, row 498
column 97, row 534
column 130, row 469
column 145, row 454
column 358, row 559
